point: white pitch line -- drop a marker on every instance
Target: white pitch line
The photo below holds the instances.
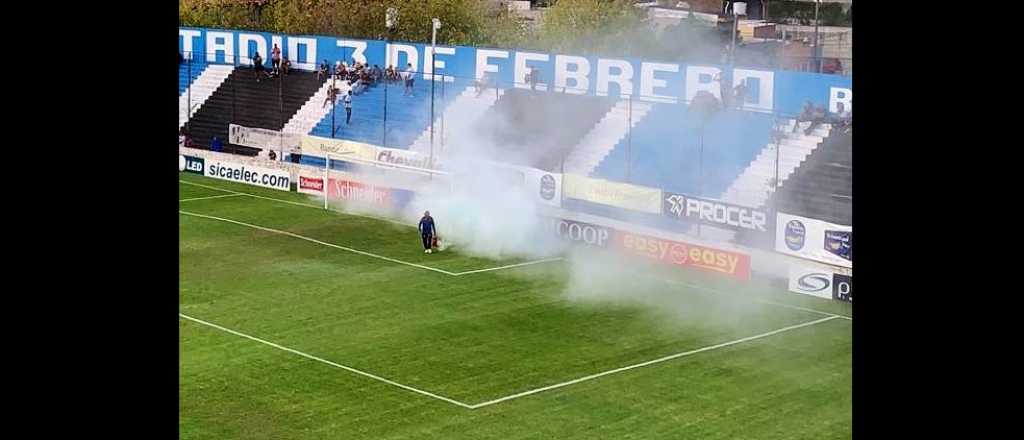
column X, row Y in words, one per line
column 773, row 303
column 210, row 197
column 325, row 361
column 651, row 362
column 510, row 266
column 313, row 240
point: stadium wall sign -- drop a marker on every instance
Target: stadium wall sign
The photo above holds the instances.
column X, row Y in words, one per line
column 812, row 239
column 247, row 174
column 321, row 146
column 714, row 212
column 733, row 264
column 622, row 195
column 403, row 157
column 262, row 138
column 580, row 232
column 545, row 187
column 191, row 164
column 767, row 90
column 821, row 283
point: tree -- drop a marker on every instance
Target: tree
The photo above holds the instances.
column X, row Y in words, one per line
column 590, row 26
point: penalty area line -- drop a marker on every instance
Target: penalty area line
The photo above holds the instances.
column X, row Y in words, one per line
column 325, row 361
column 652, row 362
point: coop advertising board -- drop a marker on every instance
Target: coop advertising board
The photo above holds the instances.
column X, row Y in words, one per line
column 248, row 174
column 814, row 239
column 767, row 90
column 733, row 264
column 262, row 138
column 621, row 195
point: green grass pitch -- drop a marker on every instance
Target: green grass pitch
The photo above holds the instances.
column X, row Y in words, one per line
column 366, row 347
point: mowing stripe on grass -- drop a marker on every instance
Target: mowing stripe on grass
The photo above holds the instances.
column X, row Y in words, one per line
column 210, row 197
column 546, row 260
column 502, row 267
column 771, row 303
column 313, row 240
column 325, row 361
column 651, row 362
column 320, row 207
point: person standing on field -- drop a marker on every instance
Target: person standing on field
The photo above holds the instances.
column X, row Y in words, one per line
column 427, row 231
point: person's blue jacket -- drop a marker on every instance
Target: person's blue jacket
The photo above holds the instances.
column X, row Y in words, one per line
column 427, row 226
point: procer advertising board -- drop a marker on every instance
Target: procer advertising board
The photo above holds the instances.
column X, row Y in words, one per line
column 191, row 164
column 816, row 240
column 821, row 283
column 250, row 175
column 733, row 264
column 715, row 213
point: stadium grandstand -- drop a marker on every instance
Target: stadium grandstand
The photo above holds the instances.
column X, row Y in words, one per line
column 736, row 172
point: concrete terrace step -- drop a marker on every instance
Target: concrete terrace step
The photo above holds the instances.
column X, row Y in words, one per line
column 201, row 90
column 604, row 136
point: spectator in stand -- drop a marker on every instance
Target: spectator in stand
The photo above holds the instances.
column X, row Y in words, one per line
column 365, row 77
column 357, row 86
column 322, row 73
column 740, row 97
column 725, row 91
column 816, row 119
column 806, row 115
column 348, row 107
column 275, row 59
column 181, row 59
column 257, row 66
column 533, row 77
column 841, row 118
column 408, row 76
column 481, row 84
column 286, row 65
column 704, row 104
column 216, row 145
column 376, row 73
column 332, row 96
column 339, row 69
